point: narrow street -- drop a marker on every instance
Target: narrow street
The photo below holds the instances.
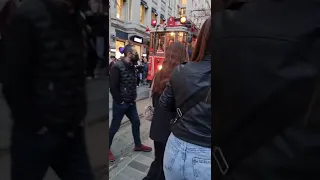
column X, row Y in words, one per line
column 131, row 165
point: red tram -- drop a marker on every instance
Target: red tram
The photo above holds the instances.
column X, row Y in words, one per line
column 161, row 37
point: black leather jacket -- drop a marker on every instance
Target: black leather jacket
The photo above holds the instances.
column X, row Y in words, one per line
column 44, row 81
column 186, row 80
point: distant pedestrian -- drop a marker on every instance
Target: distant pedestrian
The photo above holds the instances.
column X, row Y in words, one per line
column 123, row 89
column 44, row 86
column 113, row 60
column 160, row 125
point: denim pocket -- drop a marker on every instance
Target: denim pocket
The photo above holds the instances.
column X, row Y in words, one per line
column 170, row 156
column 201, row 168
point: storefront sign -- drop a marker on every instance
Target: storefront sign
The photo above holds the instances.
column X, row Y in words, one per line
column 137, row 39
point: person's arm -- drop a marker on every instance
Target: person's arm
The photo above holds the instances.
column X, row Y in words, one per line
column 115, row 84
column 17, row 48
column 167, row 100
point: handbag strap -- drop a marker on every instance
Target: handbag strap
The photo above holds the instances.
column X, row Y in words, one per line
column 228, row 154
column 194, row 99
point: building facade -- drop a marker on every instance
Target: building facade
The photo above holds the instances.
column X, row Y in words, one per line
column 132, row 17
column 195, row 10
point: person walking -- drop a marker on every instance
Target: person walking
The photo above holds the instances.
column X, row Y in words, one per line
column 160, row 125
column 44, row 86
column 188, row 150
column 124, row 93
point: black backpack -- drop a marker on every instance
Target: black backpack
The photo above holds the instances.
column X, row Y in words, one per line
column 266, row 90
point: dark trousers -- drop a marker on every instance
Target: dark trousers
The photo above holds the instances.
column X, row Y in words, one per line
column 130, row 110
column 156, row 168
column 91, row 64
column 32, row 154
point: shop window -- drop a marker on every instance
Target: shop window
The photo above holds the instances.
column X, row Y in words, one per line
column 161, row 21
column 142, row 14
column 138, row 49
column 119, row 9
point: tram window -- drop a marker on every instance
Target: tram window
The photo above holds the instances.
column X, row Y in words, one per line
column 182, row 38
column 170, row 38
column 160, row 43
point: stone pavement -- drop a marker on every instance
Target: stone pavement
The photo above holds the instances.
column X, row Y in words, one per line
column 133, row 166
column 130, row 165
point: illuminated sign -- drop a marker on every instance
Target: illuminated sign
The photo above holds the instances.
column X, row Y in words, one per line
column 138, row 40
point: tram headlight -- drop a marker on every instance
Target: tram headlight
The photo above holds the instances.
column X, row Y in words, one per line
column 159, row 67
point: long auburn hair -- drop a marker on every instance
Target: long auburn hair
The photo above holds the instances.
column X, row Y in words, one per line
column 202, row 46
column 175, row 55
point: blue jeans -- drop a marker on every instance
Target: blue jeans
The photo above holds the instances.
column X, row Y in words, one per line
column 185, row 161
column 130, row 110
column 32, row 154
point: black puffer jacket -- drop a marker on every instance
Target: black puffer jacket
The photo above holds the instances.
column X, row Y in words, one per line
column 186, row 80
column 44, row 81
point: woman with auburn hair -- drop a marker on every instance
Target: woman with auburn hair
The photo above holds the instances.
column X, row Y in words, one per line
column 188, row 94
column 160, row 125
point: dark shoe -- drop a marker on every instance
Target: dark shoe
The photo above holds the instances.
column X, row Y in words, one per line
column 143, row 148
column 111, row 157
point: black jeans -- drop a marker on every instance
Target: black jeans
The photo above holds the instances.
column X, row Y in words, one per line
column 130, row 110
column 156, row 168
column 32, row 154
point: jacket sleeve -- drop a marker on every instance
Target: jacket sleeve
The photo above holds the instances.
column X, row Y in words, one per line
column 167, row 100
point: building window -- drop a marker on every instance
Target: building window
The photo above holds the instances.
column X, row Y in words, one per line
column 142, row 14
column 182, row 12
column 119, row 9
column 183, row 2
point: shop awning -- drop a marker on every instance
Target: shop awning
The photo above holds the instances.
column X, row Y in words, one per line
column 162, row 17
column 154, row 11
column 143, row 3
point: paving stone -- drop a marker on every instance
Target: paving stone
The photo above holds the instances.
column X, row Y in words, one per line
column 132, row 174
column 138, row 166
column 144, row 159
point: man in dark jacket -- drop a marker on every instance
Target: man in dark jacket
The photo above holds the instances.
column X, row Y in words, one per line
column 44, row 86
column 266, row 90
column 124, row 92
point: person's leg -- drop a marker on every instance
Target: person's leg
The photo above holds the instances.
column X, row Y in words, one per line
column 156, row 170
column 31, row 154
column 197, row 163
column 72, row 161
column 118, row 111
column 173, row 159
column 132, row 114
column 159, row 155
column 138, row 80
